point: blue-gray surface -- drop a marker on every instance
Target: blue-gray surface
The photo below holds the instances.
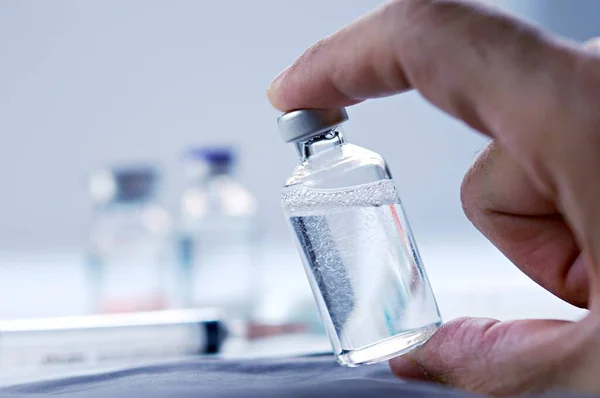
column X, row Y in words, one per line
column 301, row 377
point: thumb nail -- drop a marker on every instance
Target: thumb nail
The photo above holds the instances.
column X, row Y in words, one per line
column 407, row 368
column 273, row 90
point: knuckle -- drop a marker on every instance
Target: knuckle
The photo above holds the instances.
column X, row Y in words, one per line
column 472, row 190
column 431, row 30
column 431, row 8
column 423, row 16
column 556, row 145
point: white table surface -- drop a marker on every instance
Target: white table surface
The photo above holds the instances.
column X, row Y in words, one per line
column 468, row 280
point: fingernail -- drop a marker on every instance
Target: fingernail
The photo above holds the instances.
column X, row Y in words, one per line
column 593, row 45
column 407, row 369
column 275, row 83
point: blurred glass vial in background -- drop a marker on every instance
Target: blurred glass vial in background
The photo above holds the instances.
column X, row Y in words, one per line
column 130, row 252
column 355, row 242
column 218, row 234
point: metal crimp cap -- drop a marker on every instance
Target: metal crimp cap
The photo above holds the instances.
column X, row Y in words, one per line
column 303, row 124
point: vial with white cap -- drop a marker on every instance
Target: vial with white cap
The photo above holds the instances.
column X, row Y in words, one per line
column 130, row 255
column 356, row 245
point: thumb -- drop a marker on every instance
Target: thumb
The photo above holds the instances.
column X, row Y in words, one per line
column 493, row 357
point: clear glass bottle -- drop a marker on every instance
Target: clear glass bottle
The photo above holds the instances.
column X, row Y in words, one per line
column 219, row 234
column 130, row 251
column 356, row 245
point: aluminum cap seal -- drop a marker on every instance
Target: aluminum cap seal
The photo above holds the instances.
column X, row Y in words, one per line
column 303, row 124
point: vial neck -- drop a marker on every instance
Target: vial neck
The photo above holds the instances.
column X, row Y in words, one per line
column 319, row 144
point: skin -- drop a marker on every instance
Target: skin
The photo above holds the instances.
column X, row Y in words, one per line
column 534, row 192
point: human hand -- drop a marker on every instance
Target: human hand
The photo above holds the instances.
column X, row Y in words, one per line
column 533, row 192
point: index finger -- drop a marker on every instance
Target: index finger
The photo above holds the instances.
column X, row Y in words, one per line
column 535, row 94
column 470, row 60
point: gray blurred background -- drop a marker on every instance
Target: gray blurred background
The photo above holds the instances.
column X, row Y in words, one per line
column 84, row 84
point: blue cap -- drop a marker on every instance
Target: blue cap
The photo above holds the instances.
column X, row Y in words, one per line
column 214, row 155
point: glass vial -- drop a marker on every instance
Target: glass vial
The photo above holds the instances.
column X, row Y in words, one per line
column 219, row 235
column 130, row 251
column 355, row 243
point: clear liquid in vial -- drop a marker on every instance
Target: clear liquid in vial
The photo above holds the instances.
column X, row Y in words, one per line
column 364, row 269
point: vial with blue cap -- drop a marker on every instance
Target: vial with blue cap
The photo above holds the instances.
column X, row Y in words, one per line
column 358, row 250
column 219, row 234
